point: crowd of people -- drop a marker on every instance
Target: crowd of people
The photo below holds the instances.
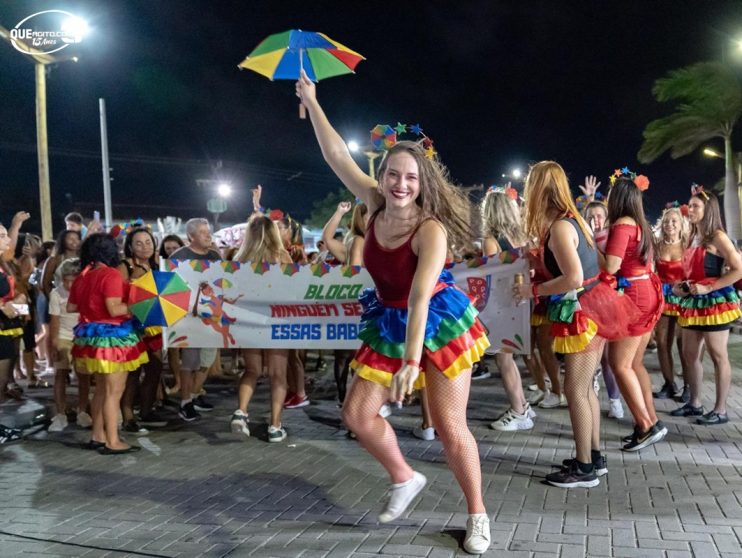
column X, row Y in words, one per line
column 604, row 284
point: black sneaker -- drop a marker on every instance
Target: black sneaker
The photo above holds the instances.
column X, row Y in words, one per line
column 134, row 427
column 480, row 372
column 200, row 404
column 572, row 477
column 600, row 465
column 712, row 418
column 688, row 410
column 685, row 396
column 627, row 439
column 641, row 440
column 154, row 419
column 667, row 392
column 188, row 412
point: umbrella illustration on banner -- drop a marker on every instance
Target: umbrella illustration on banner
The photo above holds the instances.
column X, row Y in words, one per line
column 284, row 55
column 260, row 267
column 320, row 269
column 223, row 283
column 230, row 266
column 159, row 298
column 508, row 256
column 200, row 265
column 291, row 269
column 351, row 270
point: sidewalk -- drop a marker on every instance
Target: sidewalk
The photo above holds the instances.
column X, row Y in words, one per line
column 198, row 490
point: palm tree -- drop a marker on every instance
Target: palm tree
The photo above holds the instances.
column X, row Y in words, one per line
column 709, row 104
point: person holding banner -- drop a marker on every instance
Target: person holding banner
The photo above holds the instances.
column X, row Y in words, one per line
column 582, row 307
column 417, row 328
column 502, row 230
column 262, row 243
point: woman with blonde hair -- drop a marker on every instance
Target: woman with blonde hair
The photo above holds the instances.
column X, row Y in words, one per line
column 670, row 243
column 262, row 244
column 582, row 307
column 417, row 327
column 709, row 304
column 502, row 231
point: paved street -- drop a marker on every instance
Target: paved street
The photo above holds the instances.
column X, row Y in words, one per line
column 198, row 490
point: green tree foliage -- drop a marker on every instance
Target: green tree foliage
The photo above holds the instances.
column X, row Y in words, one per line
column 707, row 100
column 323, row 209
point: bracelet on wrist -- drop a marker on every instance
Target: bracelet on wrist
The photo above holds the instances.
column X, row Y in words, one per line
column 413, row 362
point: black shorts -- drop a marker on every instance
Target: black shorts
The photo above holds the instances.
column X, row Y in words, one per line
column 29, row 335
column 715, row 327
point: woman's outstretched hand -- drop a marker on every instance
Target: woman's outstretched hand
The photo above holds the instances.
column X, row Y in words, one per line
column 306, row 90
column 403, row 382
column 343, row 207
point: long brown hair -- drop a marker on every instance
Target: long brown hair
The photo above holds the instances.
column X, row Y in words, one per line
column 439, row 198
column 625, row 200
column 547, row 190
column 501, row 217
column 711, row 222
column 262, row 241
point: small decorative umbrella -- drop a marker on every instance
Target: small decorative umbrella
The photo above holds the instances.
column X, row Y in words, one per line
column 260, row 267
column 383, row 136
column 200, row 265
column 223, row 283
column 291, row 269
column 284, row 55
column 320, row 269
column 230, row 266
column 159, row 298
column 351, row 270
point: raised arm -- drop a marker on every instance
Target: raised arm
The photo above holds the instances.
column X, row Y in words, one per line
column 334, row 149
column 336, row 247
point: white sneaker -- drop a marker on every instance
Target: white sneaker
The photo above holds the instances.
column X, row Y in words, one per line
column 511, row 421
column 385, row 410
column 239, row 423
column 84, row 420
column 616, row 409
column 59, row 423
column 528, row 410
column 400, row 496
column 427, row 434
column 276, row 434
column 478, row 535
column 563, row 401
column 550, row 401
column 537, row 397
column 533, row 387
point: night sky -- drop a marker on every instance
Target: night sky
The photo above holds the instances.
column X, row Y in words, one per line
column 495, row 84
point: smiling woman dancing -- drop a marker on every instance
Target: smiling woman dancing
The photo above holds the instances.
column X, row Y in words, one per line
column 417, row 328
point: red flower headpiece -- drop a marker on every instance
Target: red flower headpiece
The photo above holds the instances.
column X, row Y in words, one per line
column 276, row 215
column 509, row 191
column 641, row 181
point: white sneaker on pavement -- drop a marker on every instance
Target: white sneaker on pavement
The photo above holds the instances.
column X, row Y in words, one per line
column 59, row 423
column 400, row 496
column 478, row 535
column 563, row 401
column 239, row 424
column 427, row 434
column 84, row 420
column 512, row 421
column 616, row 409
column 550, row 401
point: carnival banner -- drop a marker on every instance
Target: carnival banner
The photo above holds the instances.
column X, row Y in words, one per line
column 249, row 305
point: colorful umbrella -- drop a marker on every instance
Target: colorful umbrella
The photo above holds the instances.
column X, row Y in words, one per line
column 284, row 55
column 159, row 298
column 351, row 270
column 290, row 269
column 200, row 265
column 320, row 269
column 223, row 283
column 260, row 267
column 508, row 256
column 230, row 266
column 383, row 136
column 172, row 264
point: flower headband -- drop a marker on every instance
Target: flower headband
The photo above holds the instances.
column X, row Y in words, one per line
column 508, row 190
column 698, row 190
column 384, row 136
column 641, row 181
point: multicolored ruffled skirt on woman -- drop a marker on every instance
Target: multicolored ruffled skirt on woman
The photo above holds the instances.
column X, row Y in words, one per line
column 539, row 314
column 454, row 337
column 714, row 310
column 107, row 348
column 672, row 301
column 580, row 315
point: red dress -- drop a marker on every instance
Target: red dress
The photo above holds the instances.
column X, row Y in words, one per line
column 670, row 272
column 640, row 283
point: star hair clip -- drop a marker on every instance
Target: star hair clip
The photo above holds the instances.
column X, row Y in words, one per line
column 698, row 191
column 384, row 136
column 641, row 181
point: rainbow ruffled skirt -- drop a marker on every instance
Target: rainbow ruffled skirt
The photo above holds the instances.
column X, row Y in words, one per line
column 454, row 337
column 672, row 301
column 716, row 308
column 539, row 313
column 106, row 348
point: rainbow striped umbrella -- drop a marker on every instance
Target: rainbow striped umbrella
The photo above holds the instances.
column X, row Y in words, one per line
column 284, row 55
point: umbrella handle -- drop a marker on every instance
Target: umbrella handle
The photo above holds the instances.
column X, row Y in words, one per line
column 302, row 108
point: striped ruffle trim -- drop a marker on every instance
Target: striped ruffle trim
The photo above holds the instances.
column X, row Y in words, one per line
column 573, row 337
column 715, row 308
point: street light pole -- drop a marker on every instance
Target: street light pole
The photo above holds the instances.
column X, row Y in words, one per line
column 45, row 201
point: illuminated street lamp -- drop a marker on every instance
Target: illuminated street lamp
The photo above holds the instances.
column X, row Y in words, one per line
column 708, row 152
column 224, row 189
